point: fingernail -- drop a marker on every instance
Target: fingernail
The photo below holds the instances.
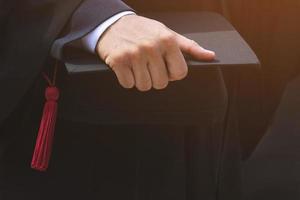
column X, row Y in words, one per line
column 211, row 52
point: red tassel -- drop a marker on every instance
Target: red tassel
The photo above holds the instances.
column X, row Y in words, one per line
column 43, row 146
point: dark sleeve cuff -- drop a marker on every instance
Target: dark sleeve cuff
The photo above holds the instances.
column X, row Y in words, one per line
column 89, row 15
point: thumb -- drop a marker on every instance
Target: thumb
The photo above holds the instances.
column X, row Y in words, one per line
column 193, row 49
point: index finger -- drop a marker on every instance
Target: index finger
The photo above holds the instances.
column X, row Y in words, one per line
column 193, row 49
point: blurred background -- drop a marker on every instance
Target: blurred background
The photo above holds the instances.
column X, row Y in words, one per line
column 272, row 29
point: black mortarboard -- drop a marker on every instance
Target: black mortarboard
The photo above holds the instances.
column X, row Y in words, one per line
column 92, row 93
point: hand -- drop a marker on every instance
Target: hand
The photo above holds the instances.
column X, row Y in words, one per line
column 145, row 53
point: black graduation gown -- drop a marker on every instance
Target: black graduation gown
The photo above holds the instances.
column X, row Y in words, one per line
column 101, row 161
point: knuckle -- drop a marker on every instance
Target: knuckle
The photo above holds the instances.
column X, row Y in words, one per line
column 161, row 85
column 193, row 44
column 148, row 46
column 134, row 53
column 125, row 79
column 168, row 38
column 127, row 85
column 180, row 74
column 144, row 87
column 112, row 64
column 130, row 84
column 116, row 59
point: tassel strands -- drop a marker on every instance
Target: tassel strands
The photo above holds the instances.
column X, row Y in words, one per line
column 43, row 146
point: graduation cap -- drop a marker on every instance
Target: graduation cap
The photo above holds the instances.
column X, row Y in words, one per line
column 210, row 30
column 92, row 93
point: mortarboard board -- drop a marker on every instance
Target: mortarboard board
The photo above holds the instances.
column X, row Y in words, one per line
column 92, row 93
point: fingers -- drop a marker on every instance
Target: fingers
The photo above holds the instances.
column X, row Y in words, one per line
column 142, row 76
column 158, row 70
column 152, row 65
column 125, row 77
column 149, row 69
column 176, row 65
column 119, row 62
column 194, row 49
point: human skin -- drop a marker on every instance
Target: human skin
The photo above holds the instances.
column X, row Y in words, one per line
column 145, row 54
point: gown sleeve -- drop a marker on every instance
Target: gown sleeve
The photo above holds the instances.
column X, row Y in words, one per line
column 88, row 16
column 29, row 30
